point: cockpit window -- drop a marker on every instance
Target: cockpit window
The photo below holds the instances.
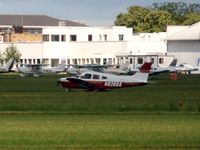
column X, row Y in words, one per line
column 95, row 76
column 86, row 76
column 104, row 77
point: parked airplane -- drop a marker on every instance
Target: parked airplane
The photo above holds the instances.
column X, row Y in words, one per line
column 107, row 68
column 186, row 68
column 91, row 80
column 8, row 66
column 123, row 69
column 57, row 69
column 38, row 69
column 78, row 69
column 158, row 70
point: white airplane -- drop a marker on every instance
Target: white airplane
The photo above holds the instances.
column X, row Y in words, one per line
column 123, row 69
column 186, row 68
column 108, row 68
column 92, row 80
column 158, row 70
column 38, row 69
column 168, row 69
column 57, row 69
column 8, row 66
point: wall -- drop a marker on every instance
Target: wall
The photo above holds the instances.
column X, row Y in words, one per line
column 185, row 51
column 28, row 50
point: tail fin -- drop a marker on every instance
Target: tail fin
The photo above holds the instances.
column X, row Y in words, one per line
column 143, row 73
column 61, row 66
column 9, row 64
column 173, row 63
column 124, row 66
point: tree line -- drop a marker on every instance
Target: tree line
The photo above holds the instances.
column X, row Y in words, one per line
column 158, row 16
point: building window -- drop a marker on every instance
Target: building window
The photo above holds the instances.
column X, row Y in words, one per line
column 54, row 62
column 100, row 38
column 89, row 37
column 105, row 37
column 104, row 61
column 55, row 38
column 63, row 38
column 131, row 60
column 121, row 37
column 161, row 60
column 68, row 61
column 73, row 38
column 152, row 60
column 140, row 60
column 45, row 38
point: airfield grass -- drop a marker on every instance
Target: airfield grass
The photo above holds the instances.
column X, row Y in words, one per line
column 122, row 131
column 41, row 94
column 35, row 113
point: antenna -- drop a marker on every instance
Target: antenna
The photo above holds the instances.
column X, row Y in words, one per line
column 22, row 20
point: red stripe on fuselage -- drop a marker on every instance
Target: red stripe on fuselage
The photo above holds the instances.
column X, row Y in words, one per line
column 102, row 84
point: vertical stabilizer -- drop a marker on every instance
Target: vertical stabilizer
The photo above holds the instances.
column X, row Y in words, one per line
column 173, row 63
column 124, row 66
column 143, row 73
column 9, row 64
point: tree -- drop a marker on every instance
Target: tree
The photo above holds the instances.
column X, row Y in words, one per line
column 155, row 18
column 157, row 21
column 179, row 11
column 11, row 52
column 191, row 18
column 144, row 19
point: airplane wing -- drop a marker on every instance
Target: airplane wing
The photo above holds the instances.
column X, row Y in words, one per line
column 82, row 83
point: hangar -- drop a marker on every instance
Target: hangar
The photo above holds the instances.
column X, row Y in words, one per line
column 183, row 42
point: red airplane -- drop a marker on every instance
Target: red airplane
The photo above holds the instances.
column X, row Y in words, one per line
column 97, row 81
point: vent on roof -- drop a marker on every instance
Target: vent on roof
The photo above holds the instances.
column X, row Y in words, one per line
column 62, row 23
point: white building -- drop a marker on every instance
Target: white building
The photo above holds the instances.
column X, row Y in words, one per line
column 85, row 45
column 75, row 43
column 184, row 43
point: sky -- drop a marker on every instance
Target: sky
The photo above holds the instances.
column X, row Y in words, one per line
column 89, row 12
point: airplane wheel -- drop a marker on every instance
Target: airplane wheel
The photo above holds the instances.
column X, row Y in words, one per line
column 67, row 90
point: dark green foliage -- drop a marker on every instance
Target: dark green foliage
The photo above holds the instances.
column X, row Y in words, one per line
column 179, row 10
column 144, row 19
column 12, row 52
column 157, row 17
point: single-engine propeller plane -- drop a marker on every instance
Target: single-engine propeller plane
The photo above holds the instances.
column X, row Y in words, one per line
column 38, row 69
column 97, row 81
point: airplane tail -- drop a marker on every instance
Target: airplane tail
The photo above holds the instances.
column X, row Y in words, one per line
column 143, row 73
column 173, row 63
column 9, row 64
column 124, row 66
column 61, row 66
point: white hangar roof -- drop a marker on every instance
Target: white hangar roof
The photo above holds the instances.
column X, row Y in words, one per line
column 179, row 33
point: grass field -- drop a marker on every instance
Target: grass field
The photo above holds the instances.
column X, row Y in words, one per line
column 42, row 95
column 36, row 114
column 130, row 131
